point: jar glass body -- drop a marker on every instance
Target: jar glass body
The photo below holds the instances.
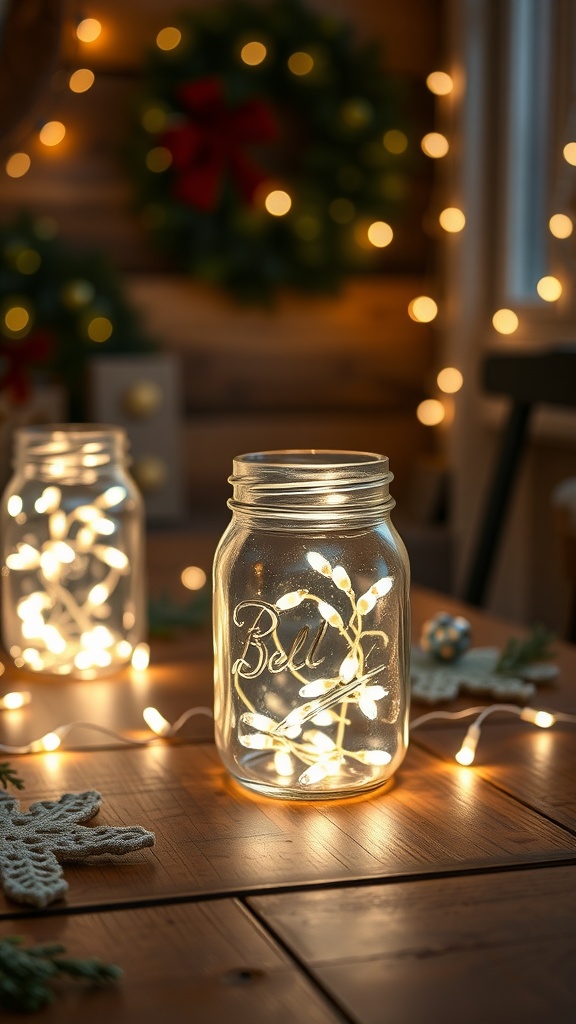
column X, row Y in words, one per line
column 311, row 627
column 73, row 598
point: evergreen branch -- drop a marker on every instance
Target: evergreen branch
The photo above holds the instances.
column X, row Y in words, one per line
column 519, row 653
column 26, row 974
column 8, row 777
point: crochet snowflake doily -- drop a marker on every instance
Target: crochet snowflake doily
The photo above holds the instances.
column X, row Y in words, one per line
column 33, row 842
column 473, row 673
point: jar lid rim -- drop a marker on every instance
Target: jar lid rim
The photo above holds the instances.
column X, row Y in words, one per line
column 319, row 458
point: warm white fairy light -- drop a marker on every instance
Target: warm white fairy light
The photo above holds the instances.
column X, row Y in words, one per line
column 435, row 145
column 141, row 657
column 15, row 699
column 156, row 722
column 168, row 38
column 310, row 741
column 278, row 203
column 467, row 752
column 60, row 618
column 52, row 133
column 440, row 83
column 449, row 380
column 423, row 309
column 561, row 225
column 88, row 30
column 253, row 53
column 505, row 321
column 549, row 288
column 17, row 165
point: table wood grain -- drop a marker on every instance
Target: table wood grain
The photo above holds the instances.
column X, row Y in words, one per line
column 446, row 896
column 201, row 963
column 499, row 947
column 215, row 837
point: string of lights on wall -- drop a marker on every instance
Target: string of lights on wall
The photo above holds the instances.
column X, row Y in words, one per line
column 435, row 145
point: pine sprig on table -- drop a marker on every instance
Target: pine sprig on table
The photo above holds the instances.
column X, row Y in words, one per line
column 518, row 653
column 9, row 777
column 26, row 974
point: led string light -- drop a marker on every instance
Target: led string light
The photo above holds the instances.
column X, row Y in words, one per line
column 51, row 741
column 63, row 622
column 296, row 740
column 52, row 132
column 318, row 750
column 465, row 755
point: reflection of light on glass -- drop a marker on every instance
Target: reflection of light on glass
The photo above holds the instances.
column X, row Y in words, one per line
column 423, row 309
column 380, row 234
column 505, row 321
column 430, row 412
column 253, row 53
column 450, row 380
column 168, row 38
column 17, row 165
column 439, row 83
column 435, row 145
column 278, row 203
column 549, row 288
column 452, row 219
column 560, row 225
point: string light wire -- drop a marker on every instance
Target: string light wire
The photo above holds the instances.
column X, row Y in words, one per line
column 465, row 755
column 163, row 729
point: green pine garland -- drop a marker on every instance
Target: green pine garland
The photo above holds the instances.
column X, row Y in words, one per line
column 66, row 295
column 328, row 152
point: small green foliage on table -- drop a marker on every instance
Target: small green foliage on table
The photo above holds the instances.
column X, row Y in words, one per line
column 519, row 653
column 26, row 975
column 8, row 777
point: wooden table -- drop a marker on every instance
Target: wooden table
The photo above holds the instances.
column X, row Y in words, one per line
column 449, row 897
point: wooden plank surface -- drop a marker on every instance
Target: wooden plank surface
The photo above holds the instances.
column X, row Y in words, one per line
column 537, row 766
column 498, row 947
column 201, row 963
column 214, row 837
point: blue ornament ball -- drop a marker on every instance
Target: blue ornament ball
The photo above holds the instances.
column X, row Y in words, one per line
column 446, row 637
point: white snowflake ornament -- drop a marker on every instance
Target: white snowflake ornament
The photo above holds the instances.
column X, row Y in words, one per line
column 34, row 842
column 473, row 673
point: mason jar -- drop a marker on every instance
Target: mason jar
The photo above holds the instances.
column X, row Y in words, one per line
column 311, row 626
column 72, row 552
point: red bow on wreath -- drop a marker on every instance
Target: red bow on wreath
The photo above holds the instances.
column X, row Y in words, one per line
column 17, row 358
column 212, row 144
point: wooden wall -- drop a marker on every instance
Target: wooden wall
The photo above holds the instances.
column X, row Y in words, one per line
column 345, row 371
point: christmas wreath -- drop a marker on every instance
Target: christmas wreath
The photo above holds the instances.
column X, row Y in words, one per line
column 269, row 149
column 58, row 308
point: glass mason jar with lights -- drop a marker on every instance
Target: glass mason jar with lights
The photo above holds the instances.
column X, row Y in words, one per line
column 311, row 626
column 72, row 552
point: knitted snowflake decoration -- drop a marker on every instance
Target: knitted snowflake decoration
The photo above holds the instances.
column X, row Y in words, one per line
column 474, row 673
column 33, row 842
